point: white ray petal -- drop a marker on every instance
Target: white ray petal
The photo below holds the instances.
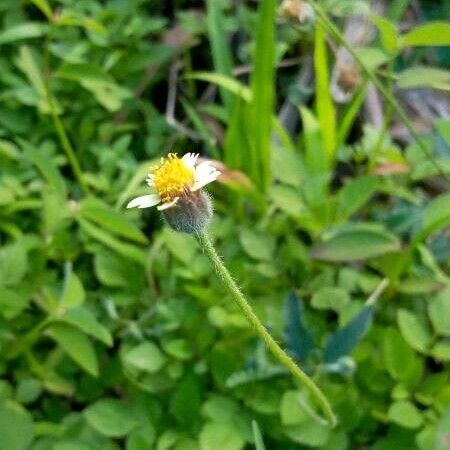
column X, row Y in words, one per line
column 205, row 180
column 189, row 159
column 203, row 170
column 168, row 205
column 144, row 202
column 149, row 179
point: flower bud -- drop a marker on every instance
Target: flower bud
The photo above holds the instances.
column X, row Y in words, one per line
column 192, row 212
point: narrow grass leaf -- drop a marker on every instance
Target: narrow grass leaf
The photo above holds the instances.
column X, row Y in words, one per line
column 324, row 103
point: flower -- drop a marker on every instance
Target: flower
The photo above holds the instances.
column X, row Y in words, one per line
column 174, row 178
column 176, row 185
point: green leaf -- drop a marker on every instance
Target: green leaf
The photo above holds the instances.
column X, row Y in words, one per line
column 13, row 263
column 316, row 158
column 44, row 7
column 21, row 31
column 73, row 294
column 219, row 435
column 356, row 242
column 127, row 250
column 354, row 195
column 85, row 321
column 12, row 303
column 220, row 49
column 104, row 215
column 441, row 350
column 256, row 244
column 16, row 428
column 430, row 34
column 310, row 433
column 334, row 298
column 437, row 215
column 432, row 77
column 413, row 330
column 185, row 400
column 146, row 356
column 110, row 417
column 299, row 341
column 76, row 345
column 347, row 338
column 324, row 102
column 388, row 33
column 71, row 445
column 439, row 312
column 405, row 414
column 399, row 358
column 262, row 88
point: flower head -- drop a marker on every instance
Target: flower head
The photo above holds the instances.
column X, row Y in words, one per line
column 176, row 186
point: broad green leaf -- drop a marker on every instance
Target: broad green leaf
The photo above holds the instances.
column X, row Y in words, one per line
column 21, row 31
column 76, row 345
column 324, row 102
column 405, row 414
column 45, row 166
column 291, row 412
column 347, row 338
column 388, row 33
column 437, row 215
column 185, row 401
column 356, row 242
column 178, row 348
column 443, row 431
column 354, row 195
column 182, row 246
column 421, row 76
column 73, row 294
column 13, row 263
column 439, row 312
column 146, row 356
column 415, row 333
column 430, row 34
column 110, row 417
column 67, row 444
column 85, row 321
column 441, row 350
column 107, row 92
column 116, row 222
column 16, row 428
column 110, row 269
column 309, row 433
column 287, row 167
column 12, row 302
column 215, row 435
column 127, row 250
column 256, row 244
column 399, row 358
column 334, row 298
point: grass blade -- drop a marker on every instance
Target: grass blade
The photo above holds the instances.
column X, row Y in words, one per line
column 262, row 87
column 324, row 103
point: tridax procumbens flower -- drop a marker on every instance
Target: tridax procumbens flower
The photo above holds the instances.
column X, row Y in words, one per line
column 176, row 185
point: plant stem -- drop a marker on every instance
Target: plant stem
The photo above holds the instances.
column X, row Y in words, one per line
column 276, row 350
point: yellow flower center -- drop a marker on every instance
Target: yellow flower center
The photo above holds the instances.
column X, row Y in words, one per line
column 171, row 178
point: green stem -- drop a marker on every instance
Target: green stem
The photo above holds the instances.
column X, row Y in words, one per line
column 335, row 32
column 59, row 127
column 276, row 350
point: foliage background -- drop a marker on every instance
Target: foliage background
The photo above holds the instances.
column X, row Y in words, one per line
column 114, row 332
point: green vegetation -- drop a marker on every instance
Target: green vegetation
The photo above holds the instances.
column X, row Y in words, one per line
column 332, row 215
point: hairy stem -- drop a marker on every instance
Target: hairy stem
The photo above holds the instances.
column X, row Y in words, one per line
column 262, row 332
